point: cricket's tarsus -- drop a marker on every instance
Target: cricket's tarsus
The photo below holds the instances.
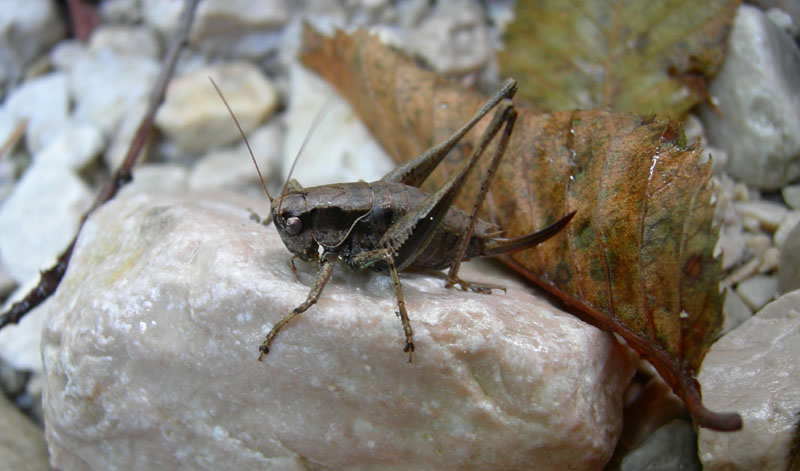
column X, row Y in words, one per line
column 390, row 224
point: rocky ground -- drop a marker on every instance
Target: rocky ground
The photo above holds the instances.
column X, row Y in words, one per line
column 70, row 109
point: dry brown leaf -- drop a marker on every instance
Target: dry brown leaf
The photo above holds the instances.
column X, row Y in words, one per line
column 636, row 259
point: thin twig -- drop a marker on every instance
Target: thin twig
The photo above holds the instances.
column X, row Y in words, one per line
column 51, row 277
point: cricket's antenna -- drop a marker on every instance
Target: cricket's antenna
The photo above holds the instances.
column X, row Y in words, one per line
column 260, row 178
column 327, row 107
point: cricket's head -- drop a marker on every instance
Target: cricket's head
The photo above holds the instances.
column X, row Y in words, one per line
column 291, row 219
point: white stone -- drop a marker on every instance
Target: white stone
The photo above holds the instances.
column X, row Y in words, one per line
column 673, row 447
column 754, row 371
column 453, row 38
column 757, row 243
column 194, row 116
column 782, row 20
column 768, row 214
column 27, row 27
column 232, row 168
column 340, row 148
column 122, row 137
column 44, row 102
column 769, row 260
column 758, row 290
column 789, row 266
column 790, row 7
column 120, row 11
column 23, row 446
column 239, row 28
column 789, row 222
column 7, row 283
column 106, row 85
column 758, row 92
column 735, row 311
column 125, row 40
column 40, row 217
column 20, row 344
column 150, row 360
column 791, row 196
column 162, row 15
column 74, row 147
column 731, row 243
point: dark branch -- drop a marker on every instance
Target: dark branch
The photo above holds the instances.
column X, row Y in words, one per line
column 51, row 277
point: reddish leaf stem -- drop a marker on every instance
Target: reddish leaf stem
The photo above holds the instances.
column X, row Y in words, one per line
column 683, row 383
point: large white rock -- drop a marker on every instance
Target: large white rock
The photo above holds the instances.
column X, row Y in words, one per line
column 150, row 360
column 754, row 371
column 758, row 93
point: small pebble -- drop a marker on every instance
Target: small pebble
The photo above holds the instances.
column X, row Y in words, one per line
column 758, row 91
column 454, row 38
column 27, row 27
column 40, row 217
column 7, row 282
column 74, row 147
column 44, row 102
column 783, row 21
column 791, row 196
column 757, row 243
column 194, row 116
column 340, row 144
column 735, row 311
column 672, row 447
column 107, row 85
column 789, row 265
column 758, row 290
column 769, row 260
column 732, row 244
column 768, row 214
column 232, row 168
column 125, row 40
column 23, row 446
column 792, row 219
column 257, row 25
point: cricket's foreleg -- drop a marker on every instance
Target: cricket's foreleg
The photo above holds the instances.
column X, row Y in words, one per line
column 323, row 275
column 508, row 116
column 366, row 259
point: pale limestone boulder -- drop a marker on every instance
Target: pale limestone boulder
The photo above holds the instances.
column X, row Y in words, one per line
column 150, row 360
column 753, row 370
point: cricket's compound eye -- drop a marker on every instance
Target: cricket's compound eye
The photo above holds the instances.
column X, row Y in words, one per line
column 293, row 225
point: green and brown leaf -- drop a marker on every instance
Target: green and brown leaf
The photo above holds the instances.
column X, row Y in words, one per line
column 641, row 56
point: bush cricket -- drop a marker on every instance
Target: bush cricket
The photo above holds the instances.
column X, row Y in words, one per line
column 391, row 224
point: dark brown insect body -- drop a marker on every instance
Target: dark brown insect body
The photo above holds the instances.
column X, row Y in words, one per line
column 351, row 218
column 390, row 225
